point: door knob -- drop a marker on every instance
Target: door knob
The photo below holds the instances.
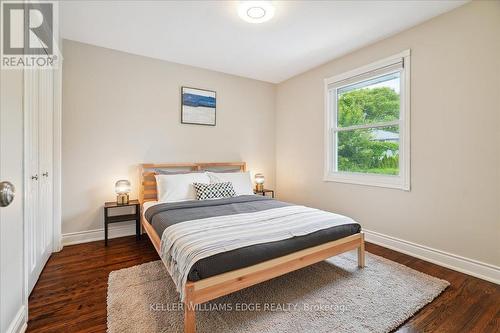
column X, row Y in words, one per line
column 46, row 174
column 7, row 192
column 35, row 177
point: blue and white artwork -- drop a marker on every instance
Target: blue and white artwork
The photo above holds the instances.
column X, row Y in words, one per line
column 198, row 106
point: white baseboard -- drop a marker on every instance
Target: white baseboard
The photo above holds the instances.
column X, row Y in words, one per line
column 465, row 265
column 97, row 234
column 19, row 323
column 58, row 245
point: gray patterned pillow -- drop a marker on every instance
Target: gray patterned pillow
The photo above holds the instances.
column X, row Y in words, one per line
column 214, row 191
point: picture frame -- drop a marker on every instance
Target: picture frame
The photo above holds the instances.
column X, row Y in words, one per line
column 198, row 106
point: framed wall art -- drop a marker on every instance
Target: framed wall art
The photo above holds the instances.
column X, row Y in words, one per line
column 198, row 106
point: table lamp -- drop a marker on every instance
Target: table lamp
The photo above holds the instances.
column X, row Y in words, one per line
column 122, row 189
column 259, row 182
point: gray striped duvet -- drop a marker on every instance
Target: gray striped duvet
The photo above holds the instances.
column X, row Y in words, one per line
column 184, row 243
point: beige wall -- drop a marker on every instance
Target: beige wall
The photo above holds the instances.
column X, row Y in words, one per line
column 454, row 203
column 120, row 110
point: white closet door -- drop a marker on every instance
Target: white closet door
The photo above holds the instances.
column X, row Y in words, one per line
column 45, row 135
column 32, row 176
column 39, row 99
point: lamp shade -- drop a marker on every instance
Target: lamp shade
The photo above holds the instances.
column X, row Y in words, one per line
column 122, row 187
column 259, row 178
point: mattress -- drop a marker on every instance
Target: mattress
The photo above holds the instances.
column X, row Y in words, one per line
column 163, row 215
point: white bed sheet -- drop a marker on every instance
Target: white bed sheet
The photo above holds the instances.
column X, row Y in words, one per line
column 148, row 204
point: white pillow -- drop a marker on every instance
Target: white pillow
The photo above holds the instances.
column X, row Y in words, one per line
column 173, row 188
column 242, row 182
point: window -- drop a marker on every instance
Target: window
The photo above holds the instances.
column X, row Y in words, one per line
column 367, row 132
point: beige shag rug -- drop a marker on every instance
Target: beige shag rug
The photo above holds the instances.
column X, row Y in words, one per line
column 331, row 296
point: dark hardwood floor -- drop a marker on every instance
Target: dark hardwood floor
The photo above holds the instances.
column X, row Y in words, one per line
column 71, row 293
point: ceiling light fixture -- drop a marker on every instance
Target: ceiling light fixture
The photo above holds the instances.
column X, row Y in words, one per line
column 255, row 11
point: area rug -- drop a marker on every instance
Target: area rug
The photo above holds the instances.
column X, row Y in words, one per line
column 331, row 296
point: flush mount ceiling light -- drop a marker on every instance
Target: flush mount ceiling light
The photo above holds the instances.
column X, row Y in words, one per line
column 255, row 11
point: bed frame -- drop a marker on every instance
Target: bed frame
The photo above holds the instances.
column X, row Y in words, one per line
column 216, row 286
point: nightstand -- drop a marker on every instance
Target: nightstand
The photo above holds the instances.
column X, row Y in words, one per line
column 122, row 218
column 264, row 192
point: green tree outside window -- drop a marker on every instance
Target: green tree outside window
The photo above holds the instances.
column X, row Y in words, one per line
column 372, row 150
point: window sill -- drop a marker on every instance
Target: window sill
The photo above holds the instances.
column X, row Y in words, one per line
column 393, row 182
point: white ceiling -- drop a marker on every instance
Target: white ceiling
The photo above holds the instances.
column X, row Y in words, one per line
column 209, row 34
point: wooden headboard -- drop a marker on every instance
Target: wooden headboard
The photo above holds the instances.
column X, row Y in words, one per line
column 147, row 190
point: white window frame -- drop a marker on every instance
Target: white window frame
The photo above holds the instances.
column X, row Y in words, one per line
column 401, row 181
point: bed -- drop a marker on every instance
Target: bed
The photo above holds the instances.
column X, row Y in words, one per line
column 243, row 262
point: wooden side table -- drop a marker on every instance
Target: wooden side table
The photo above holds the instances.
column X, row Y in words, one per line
column 122, row 218
column 264, row 192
